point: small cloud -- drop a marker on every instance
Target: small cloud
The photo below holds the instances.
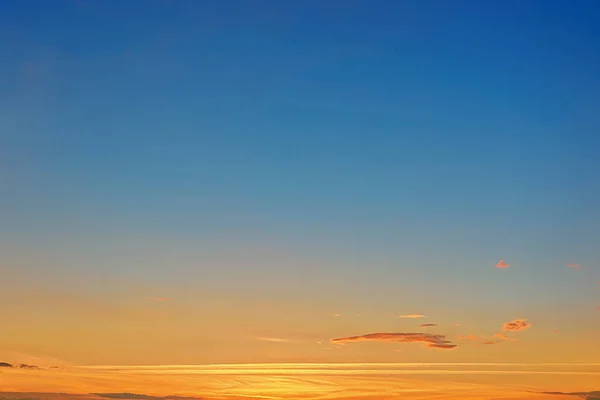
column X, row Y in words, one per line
column 432, row 341
column 556, row 330
column 576, row 267
column 27, row 366
column 272, row 339
column 412, row 316
column 503, row 336
column 335, row 315
column 489, row 342
column 456, row 324
column 501, row 264
column 517, row 325
column 427, row 325
column 159, row 298
column 5, row 365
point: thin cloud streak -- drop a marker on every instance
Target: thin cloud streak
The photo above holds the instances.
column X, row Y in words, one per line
column 272, row 339
column 412, row 316
column 430, row 340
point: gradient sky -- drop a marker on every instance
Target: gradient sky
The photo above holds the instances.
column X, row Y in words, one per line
column 260, row 165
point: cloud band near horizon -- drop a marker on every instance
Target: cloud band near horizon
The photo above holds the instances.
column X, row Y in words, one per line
column 430, row 340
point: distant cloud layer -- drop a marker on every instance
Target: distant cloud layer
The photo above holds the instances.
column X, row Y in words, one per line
column 134, row 396
column 433, row 341
column 585, row 395
column 501, row 264
column 412, row 316
column 517, row 325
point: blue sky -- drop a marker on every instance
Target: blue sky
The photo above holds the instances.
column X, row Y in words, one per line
column 384, row 139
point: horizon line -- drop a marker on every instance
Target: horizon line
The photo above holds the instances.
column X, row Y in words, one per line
column 102, row 366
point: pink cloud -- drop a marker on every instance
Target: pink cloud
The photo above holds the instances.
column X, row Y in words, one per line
column 159, row 298
column 432, row 341
column 501, row 264
column 576, row 267
column 517, row 325
column 412, row 316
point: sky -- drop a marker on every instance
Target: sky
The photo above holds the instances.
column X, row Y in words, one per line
column 197, row 182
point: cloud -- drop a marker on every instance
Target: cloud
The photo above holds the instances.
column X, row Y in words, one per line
column 273, row 339
column 21, row 366
column 503, row 336
column 501, row 264
column 133, row 396
column 584, row 395
column 433, row 341
column 159, row 298
column 485, row 340
column 517, row 325
column 427, row 325
column 335, row 315
column 27, row 366
column 412, row 316
column 576, row 267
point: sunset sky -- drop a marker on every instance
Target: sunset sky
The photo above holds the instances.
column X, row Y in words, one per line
column 187, row 182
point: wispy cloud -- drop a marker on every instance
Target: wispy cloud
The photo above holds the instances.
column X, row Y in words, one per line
column 485, row 340
column 158, row 298
column 501, row 264
column 427, row 325
column 433, row 341
column 504, row 337
column 335, row 315
column 576, row 267
column 517, row 325
column 585, row 395
column 273, row 339
column 412, row 316
column 133, row 396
